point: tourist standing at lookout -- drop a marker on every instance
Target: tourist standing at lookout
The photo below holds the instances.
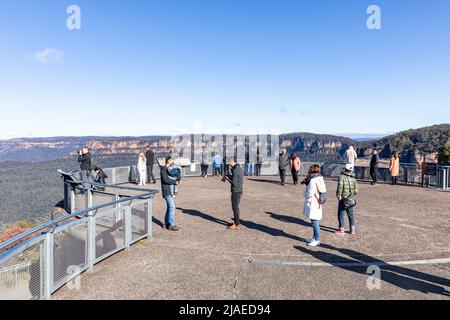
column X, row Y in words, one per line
column 314, row 199
column 150, row 158
column 236, row 178
column 166, row 183
column 283, row 165
column 86, row 166
column 346, row 191
column 394, row 168
column 350, row 156
column 374, row 161
column 205, row 163
column 294, row 165
column 142, row 168
column 217, row 165
column 259, row 163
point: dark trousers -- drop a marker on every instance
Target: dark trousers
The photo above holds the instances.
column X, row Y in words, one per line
column 204, row 168
column 295, row 176
column 150, row 175
column 258, row 169
column 393, row 180
column 217, row 171
column 283, row 176
column 235, row 201
column 342, row 211
column 374, row 174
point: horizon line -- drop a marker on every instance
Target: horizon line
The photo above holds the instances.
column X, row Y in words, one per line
column 344, row 135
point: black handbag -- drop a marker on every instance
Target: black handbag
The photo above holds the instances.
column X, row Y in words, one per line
column 350, row 201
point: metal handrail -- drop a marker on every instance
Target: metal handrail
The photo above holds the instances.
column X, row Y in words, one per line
column 55, row 222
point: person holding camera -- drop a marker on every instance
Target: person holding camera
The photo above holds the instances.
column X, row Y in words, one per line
column 86, row 166
column 236, row 179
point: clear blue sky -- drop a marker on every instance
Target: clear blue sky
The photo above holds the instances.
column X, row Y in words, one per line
column 158, row 67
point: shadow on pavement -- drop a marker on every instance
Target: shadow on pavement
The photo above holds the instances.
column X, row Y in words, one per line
column 157, row 222
column 267, row 181
column 396, row 275
column 270, row 231
column 202, row 215
column 295, row 220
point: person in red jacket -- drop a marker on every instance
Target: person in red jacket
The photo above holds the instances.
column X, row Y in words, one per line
column 294, row 165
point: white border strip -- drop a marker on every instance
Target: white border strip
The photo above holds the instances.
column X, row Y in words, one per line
column 350, row 264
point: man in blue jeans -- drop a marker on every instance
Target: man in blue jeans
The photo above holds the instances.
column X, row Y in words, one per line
column 166, row 182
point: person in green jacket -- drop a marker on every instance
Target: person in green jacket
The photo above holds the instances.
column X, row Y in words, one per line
column 347, row 187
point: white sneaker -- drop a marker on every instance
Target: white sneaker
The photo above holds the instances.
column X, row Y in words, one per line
column 314, row 243
column 309, row 240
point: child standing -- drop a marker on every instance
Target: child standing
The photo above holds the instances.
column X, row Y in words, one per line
column 175, row 174
column 142, row 168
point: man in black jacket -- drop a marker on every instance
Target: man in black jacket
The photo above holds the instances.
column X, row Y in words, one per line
column 374, row 166
column 166, row 182
column 150, row 157
column 236, row 178
column 283, row 164
column 85, row 160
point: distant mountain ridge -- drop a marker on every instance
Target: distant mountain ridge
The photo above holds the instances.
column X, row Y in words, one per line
column 53, row 148
column 413, row 145
column 410, row 144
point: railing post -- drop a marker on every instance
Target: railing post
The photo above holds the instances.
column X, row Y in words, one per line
column 47, row 279
column 113, row 176
column 88, row 198
column 91, row 244
column 150, row 218
column 72, row 200
column 128, row 227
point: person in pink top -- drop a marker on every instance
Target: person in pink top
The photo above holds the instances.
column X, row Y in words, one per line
column 294, row 165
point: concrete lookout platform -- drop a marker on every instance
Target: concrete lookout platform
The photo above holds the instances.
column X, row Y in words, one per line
column 403, row 235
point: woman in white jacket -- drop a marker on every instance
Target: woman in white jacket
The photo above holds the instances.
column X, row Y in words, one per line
column 142, row 168
column 315, row 185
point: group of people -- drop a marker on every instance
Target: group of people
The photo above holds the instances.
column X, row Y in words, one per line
column 315, row 192
column 146, row 161
column 88, row 166
column 315, row 198
column 315, row 195
column 169, row 184
column 221, row 166
column 394, row 167
column 286, row 163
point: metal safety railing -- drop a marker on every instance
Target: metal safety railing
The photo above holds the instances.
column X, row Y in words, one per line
column 35, row 264
column 410, row 173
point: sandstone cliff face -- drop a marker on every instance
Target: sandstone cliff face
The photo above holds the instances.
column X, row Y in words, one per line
column 38, row 150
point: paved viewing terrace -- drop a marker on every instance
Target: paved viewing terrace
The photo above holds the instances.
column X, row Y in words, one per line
column 268, row 258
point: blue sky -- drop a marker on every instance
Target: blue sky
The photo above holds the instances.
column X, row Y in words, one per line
column 163, row 67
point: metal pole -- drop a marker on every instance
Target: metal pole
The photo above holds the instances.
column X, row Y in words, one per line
column 72, row 200
column 149, row 218
column 91, row 244
column 128, row 228
column 48, row 266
